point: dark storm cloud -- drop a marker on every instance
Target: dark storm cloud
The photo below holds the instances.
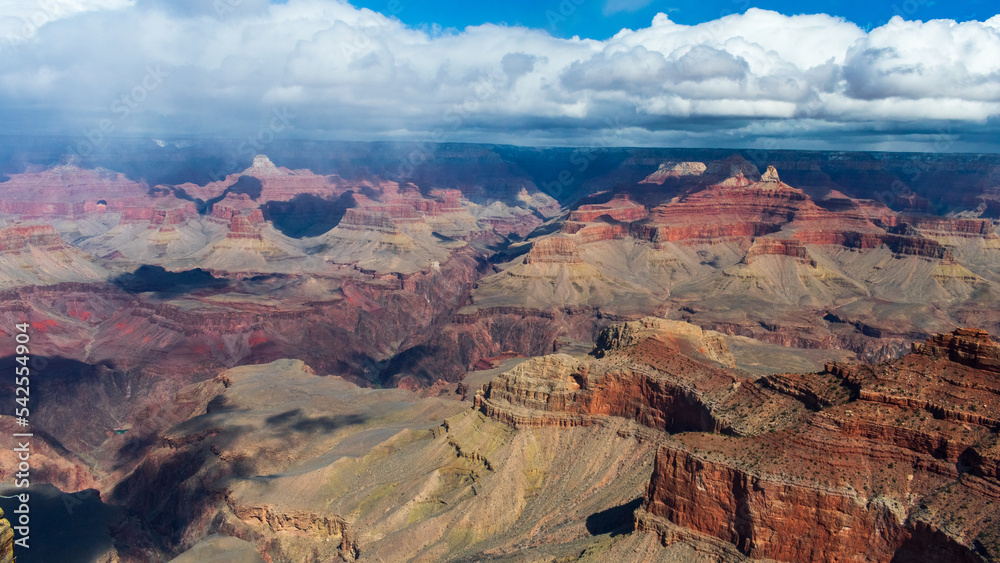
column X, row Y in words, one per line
column 221, row 67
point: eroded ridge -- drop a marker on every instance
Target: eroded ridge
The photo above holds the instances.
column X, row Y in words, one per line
column 891, row 462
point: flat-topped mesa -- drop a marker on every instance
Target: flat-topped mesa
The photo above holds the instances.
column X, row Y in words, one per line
column 400, row 213
column 972, row 347
column 440, row 202
column 673, row 169
column 737, row 207
column 14, row 240
column 688, row 338
column 740, row 208
column 620, row 208
column 368, row 214
column 367, row 219
column 548, row 385
column 70, row 184
column 69, row 192
column 556, row 249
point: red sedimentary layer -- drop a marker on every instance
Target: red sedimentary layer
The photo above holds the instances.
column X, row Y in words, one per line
column 581, row 401
column 554, row 249
column 862, row 479
column 519, row 224
column 368, row 214
column 851, row 482
column 967, row 346
column 69, row 192
column 619, row 209
column 657, row 386
column 242, row 227
column 158, row 217
column 594, row 232
column 446, row 200
column 297, row 182
column 366, row 219
column 947, row 226
column 782, row 247
column 17, row 239
column 772, row 516
column 739, row 208
column 900, row 244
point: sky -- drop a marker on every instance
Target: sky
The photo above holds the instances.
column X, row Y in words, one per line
column 879, row 75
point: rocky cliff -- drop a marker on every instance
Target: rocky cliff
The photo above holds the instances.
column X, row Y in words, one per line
column 861, row 479
column 968, row 346
column 851, row 464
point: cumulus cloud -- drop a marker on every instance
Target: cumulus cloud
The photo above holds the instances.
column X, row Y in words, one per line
column 20, row 19
column 221, row 67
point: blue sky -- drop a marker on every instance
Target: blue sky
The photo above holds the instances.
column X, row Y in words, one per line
column 882, row 75
column 600, row 19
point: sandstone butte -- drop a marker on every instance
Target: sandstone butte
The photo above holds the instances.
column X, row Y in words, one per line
column 891, row 462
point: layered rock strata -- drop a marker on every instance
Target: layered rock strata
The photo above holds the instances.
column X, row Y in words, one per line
column 894, row 462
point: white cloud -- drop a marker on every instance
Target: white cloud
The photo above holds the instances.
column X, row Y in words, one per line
column 355, row 73
column 918, row 60
column 21, row 19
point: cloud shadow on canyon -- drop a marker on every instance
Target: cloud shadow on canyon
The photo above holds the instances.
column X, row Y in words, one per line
column 158, row 280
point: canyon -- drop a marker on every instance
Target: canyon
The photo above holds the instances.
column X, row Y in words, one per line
column 679, row 355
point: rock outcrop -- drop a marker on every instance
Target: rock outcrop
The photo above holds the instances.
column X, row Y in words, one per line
column 967, row 346
column 640, row 372
column 619, row 208
column 69, row 192
column 851, row 464
column 862, row 479
column 37, row 255
column 739, row 207
column 17, row 240
column 792, row 248
column 674, row 170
